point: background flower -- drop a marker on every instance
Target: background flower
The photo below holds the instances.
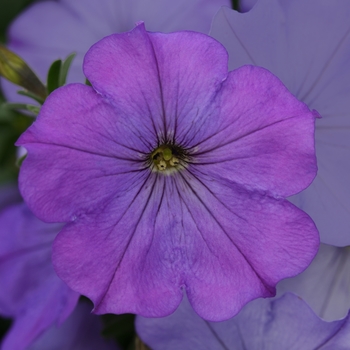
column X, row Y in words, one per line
column 31, row 293
column 307, row 45
column 325, row 284
column 284, row 323
column 53, row 29
column 80, row 331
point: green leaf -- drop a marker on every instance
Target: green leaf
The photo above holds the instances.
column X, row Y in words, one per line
column 31, row 95
column 65, row 68
column 87, row 82
column 53, row 76
column 14, row 106
column 14, row 69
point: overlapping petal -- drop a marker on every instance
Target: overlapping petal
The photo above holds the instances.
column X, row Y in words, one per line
column 53, row 29
column 285, row 323
column 325, row 284
column 29, row 285
column 306, row 44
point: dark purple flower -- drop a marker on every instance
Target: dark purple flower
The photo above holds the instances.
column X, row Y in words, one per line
column 50, row 30
column 246, row 5
column 172, row 174
column 284, row 323
column 30, row 293
column 80, row 331
column 306, row 43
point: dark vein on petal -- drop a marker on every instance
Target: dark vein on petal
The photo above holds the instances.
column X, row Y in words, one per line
column 327, row 64
column 244, row 135
column 86, row 151
column 121, row 173
column 131, row 235
column 155, row 220
column 129, row 124
column 160, row 88
column 193, row 219
column 113, row 196
column 221, row 227
column 150, row 117
column 216, row 336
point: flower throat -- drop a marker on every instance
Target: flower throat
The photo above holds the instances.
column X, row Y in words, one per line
column 168, row 158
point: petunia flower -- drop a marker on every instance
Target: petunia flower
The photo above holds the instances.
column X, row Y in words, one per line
column 171, row 174
column 50, row 30
column 307, row 45
column 325, row 284
column 284, row 323
column 30, row 293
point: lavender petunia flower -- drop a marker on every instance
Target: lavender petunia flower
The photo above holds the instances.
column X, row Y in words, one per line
column 325, row 284
column 30, row 293
column 307, row 45
column 284, row 323
column 53, row 29
column 172, row 175
column 81, row 331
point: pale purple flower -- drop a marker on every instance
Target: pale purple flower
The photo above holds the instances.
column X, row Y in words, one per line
column 50, row 30
column 80, row 331
column 172, row 174
column 307, row 45
column 284, row 323
column 325, row 284
column 30, row 293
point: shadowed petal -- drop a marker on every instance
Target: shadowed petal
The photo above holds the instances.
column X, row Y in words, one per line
column 285, row 323
column 306, row 44
column 29, row 285
column 81, row 331
column 325, row 284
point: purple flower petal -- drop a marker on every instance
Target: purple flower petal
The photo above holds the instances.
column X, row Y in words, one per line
column 285, row 323
column 254, row 142
column 138, row 237
column 53, row 29
column 307, row 45
column 325, row 284
column 29, row 285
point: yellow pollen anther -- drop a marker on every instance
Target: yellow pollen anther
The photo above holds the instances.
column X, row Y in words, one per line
column 174, row 161
column 161, row 165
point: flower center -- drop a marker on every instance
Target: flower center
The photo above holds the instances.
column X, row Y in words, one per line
column 168, row 158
